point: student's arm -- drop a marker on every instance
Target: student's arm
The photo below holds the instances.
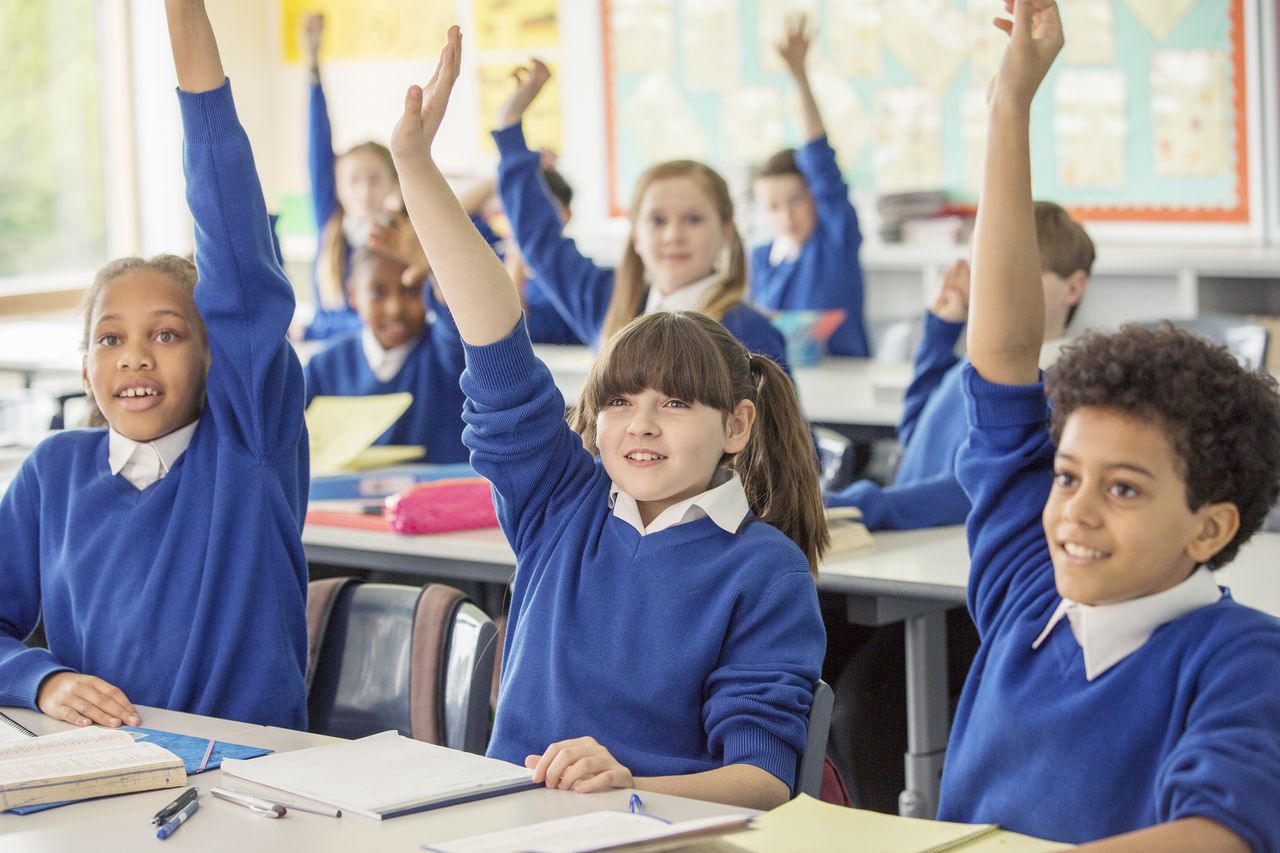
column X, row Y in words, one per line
column 943, row 323
column 578, row 288
column 1190, row 835
column 794, row 50
column 254, row 388
column 928, row 503
column 320, row 156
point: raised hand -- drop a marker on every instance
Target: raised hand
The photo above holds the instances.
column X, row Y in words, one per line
column 395, row 238
column 952, row 302
column 312, row 35
column 529, row 82
column 1035, row 37
column 424, row 106
column 794, row 47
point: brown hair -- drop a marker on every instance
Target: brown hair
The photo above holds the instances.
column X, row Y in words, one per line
column 782, row 163
column 690, row 356
column 331, row 269
column 180, row 270
column 629, row 284
column 1065, row 247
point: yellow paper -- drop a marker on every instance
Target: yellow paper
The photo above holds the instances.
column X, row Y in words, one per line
column 341, row 428
column 385, row 455
column 541, row 121
column 518, row 25
column 369, row 29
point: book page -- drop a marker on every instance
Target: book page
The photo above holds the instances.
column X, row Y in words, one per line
column 83, row 764
column 602, row 830
column 68, row 741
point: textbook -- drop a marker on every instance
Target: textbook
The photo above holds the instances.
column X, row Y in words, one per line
column 848, row 533
column 384, row 775
column 83, row 763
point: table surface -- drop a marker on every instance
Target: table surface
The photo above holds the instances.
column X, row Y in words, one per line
column 123, row 823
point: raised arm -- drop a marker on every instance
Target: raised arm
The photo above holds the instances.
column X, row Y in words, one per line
column 1006, row 315
column 320, row 157
column 794, row 50
column 483, row 301
column 195, row 50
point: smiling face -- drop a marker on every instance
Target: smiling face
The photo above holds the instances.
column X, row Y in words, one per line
column 662, row 450
column 393, row 311
column 1117, row 519
column 788, row 204
column 147, row 358
column 678, row 233
column 364, row 182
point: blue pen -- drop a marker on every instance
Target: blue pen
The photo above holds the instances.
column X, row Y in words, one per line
column 636, row 805
column 171, row 826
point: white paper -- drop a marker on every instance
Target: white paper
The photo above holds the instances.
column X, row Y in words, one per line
column 1091, row 126
column 1160, row 16
column 751, row 124
column 582, row 833
column 1089, row 26
column 642, row 35
column 927, row 36
column 856, row 48
column 1189, row 113
column 659, row 118
column 712, row 61
column 908, row 153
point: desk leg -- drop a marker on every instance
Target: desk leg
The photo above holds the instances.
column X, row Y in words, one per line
column 927, row 712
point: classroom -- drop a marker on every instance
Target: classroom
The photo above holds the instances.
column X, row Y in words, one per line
column 738, row 476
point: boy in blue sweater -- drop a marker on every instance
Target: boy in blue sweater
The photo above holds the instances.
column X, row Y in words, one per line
column 164, row 553
column 1120, row 695
column 812, row 262
column 398, row 349
column 925, row 492
column 662, row 636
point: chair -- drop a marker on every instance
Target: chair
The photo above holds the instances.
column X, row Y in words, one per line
column 813, row 761
column 837, row 456
column 389, row 656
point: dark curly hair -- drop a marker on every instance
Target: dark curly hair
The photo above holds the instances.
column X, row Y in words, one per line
column 1222, row 420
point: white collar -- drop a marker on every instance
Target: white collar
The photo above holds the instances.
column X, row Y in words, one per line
column 783, row 249
column 1109, row 633
column 1050, row 350
column 725, row 503
column 144, row 462
column 385, row 363
column 692, row 297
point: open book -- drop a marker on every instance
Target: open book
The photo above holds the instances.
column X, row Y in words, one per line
column 384, row 775
column 83, row 763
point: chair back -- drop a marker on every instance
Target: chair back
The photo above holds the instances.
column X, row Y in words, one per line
column 388, row 656
column 812, row 762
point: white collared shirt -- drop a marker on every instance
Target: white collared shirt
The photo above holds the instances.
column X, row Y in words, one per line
column 1050, row 350
column 691, row 297
column 783, row 249
column 385, row 363
column 144, row 462
column 725, row 503
column 1109, row 633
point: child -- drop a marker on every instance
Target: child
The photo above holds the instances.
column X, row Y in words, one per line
column 652, row 609
column 925, row 492
column 684, row 252
column 164, row 553
column 1119, row 691
column 397, row 349
column 812, row 262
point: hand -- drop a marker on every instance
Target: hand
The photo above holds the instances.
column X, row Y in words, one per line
column 952, row 302
column 394, row 237
column 424, row 106
column 312, row 33
column 794, row 47
column 529, row 82
column 1035, row 37
column 582, row 765
column 547, row 158
column 84, row 699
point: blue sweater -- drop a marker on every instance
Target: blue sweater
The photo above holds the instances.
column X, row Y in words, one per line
column 682, row 651
column 189, row 594
column 827, row 273
column 578, row 288
column 546, row 326
column 430, row 374
column 925, row 492
column 1188, row 725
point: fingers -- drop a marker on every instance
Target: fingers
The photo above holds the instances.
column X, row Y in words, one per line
column 84, row 699
column 413, row 101
column 581, row 765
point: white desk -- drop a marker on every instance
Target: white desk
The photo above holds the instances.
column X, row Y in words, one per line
column 123, row 823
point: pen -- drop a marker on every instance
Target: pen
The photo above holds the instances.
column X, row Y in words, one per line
column 636, row 806
column 172, row 824
column 208, row 751
column 257, row 805
column 316, row 808
column 174, row 807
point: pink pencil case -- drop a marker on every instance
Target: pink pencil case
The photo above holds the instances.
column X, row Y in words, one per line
column 442, row 506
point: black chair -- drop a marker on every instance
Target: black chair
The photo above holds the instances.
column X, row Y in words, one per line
column 809, row 770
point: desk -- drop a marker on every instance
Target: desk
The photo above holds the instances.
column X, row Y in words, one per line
column 122, row 823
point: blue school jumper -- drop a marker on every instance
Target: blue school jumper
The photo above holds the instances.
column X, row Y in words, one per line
column 925, row 492
column 827, row 272
column 430, row 374
column 578, row 288
column 682, row 651
column 1185, row 726
column 189, row 594
column 546, row 326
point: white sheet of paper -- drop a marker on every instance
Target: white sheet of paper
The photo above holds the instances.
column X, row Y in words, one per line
column 642, row 34
column 1090, row 127
column 711, row 61
column 1090, row 28
column 592, row 831
column 1160, row 16
column 1189, row 113
column 659, row 118
column 857, row 51
column 922, row 35
column 908, row 139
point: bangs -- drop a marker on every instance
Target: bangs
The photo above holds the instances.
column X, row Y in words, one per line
column 669, row 351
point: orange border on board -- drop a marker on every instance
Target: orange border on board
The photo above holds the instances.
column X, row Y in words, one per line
column 1111, row 213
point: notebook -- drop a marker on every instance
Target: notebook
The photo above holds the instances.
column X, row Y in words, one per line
column 588, row 833
column 384, row 775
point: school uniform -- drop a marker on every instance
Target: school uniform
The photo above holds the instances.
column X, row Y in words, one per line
column 356, row 365
column 682, row 649
column 174, row 569
column 1077, row 722
column 546, row 326
column 824, row 272
column 578, row 288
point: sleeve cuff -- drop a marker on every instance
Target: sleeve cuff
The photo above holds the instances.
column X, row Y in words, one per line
column 31, row 669
column 510, row 140
column 208, row 116
column 990, row 405
column 759, row 748
column 502, row 367
column 941, row 331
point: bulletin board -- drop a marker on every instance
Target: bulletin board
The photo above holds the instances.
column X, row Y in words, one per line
column 1144, row 118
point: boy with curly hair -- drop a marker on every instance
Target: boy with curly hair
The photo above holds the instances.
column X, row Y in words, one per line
column 1120, row 695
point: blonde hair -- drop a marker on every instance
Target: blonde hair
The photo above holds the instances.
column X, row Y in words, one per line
column 180, row 271
column 629, row 282
column 690, row 356
column 331, row 269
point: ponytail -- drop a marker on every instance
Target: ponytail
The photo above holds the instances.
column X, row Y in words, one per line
column 331, row 268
